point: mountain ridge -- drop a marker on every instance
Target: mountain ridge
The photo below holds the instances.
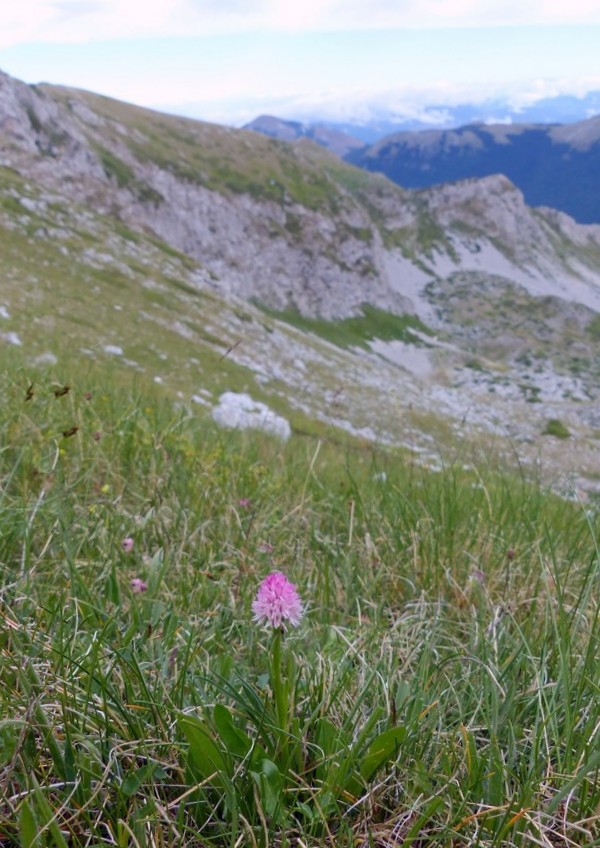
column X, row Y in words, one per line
column 339, row 142
column 554, row 165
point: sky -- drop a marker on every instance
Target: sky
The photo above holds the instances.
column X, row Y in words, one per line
column 346, row 60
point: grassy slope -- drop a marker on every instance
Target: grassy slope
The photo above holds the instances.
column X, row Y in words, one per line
column 75, row 283
column 460, row 607
column 216, row 157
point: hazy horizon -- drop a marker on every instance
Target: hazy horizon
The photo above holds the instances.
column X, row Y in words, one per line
column 330, row 60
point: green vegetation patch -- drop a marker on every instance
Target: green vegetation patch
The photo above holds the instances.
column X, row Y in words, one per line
column 188, row 262
column 593, row 328
column 358, row 331
column 421, row 240
column 124, row 175
column 556, row 428
column 116, row 168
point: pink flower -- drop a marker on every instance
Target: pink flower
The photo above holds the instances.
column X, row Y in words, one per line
column 138, row 585
column 244, row 503
column 127, row 545
column 277, row 601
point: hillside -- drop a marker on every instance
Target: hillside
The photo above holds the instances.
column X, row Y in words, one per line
column 553, row 165
column 205, row 259
column 339, row 142
column 438, row 667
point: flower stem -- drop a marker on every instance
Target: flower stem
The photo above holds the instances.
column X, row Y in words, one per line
column 277, row 683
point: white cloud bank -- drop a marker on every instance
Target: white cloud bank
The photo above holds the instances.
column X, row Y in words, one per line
column 72, row 21
column 426, row 104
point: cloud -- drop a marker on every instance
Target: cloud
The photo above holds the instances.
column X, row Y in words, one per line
column 77, row 21
column 429, row 14
column 426, row 105
column 64, row 21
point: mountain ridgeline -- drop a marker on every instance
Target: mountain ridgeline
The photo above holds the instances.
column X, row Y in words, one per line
column 553, row 165
column 556, row 165
column 333, row 139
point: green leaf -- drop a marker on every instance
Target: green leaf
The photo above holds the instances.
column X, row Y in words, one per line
column 205, row 757
column 8, row 739
column 379, row 752
column 331, row 740
column 28, row 828
column 111, row 588
column 327, row 736
column 69, row 761
column 47, row 816
column 493, row 781
column 343, row 778
column 134, row 780
column 381, row 749
column 270, row 784
column 592, row 765
column 235, row 740
column 472, row 763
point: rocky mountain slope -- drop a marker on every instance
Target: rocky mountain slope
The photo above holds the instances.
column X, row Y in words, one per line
column 206, row 259
column 553, row 165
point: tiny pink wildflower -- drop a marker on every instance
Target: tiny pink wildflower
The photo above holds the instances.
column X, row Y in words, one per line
column 138, row 585
column 244, row 503
column 478, row 575
column 127, row 545
column 277, row 601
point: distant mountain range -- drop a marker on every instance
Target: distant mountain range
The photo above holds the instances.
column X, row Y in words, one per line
column 338, row 141
column 561, row 109
column 555, row 165
column 374, row 121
